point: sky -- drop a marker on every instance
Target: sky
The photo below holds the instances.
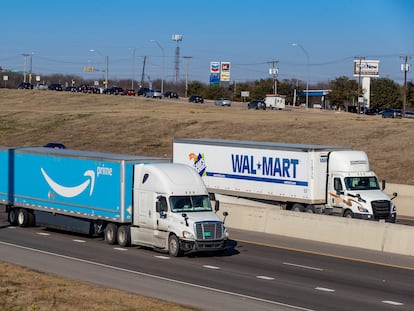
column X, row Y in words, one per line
column 65, row 36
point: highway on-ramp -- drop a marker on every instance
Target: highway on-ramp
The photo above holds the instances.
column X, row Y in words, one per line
column 257, row 272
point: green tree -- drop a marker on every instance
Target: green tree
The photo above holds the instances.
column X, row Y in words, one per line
column 343, row 92
column 385, row 94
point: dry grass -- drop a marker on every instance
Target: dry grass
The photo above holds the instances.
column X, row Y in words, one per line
column 142, row 126
column 22, row 289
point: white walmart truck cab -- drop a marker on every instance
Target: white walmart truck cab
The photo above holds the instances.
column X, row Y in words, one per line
column 354, row 190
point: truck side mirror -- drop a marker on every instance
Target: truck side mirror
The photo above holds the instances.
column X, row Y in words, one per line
column 216, row 206
column 225, row 214
column 394, row 195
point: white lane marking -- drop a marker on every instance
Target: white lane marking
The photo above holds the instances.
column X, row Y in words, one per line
column 263, row 277
column 120, row 249
column 324, row 289
column 394, row 303
column 43, row 233
column 301, row 266
column 79, row 241
column 162, row 257
column 157, row 277
column 211, row 267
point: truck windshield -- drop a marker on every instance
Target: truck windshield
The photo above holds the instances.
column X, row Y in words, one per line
column 362, row 183
column 194, row 203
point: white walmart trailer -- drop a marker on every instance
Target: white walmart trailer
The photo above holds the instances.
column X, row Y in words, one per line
column 319, row 179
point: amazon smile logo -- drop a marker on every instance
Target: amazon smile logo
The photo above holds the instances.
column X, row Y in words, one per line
column 70, row 192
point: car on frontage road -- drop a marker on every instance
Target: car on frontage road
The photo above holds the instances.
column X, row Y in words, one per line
column 223, row 102
column 196, row 99
column 257, row 104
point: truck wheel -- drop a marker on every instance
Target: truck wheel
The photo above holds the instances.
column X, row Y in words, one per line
column 174, row 246
column 124, row 236
column 23, row 217
column 348, row 214
column 12, row 216
column 309, row 209
column 111, row 233
column 297, row 207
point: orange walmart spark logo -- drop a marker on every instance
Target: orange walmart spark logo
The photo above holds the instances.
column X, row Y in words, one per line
column 338, row 199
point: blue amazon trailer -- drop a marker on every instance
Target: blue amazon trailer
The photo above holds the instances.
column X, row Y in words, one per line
column 131, row 200
column 81, row 184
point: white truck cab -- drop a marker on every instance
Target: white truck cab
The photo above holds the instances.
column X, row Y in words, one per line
column 354, row 190
column 173, row 212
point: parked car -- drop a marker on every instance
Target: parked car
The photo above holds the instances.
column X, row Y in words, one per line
column 129, row 92
column 372, row 111
column 55, row 87
column 41, row 86
column 257, row 104
column 196, row 99
column 223, row 102
column 25, row 86
column 71, row 89
column 409, row 114
column 154, row 94
column 392, row 113
column 55, row 145
column 115, row 90
column 171, row 94
column 142, row 91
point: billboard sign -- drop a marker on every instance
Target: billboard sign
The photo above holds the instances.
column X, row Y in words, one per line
column 366, row 68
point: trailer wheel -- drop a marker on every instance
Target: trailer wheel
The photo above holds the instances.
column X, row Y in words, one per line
column 124, row 236
column 23, row 217
column 12, row 216
column 348, row 214
column 111, row 233
column 298, row 207
column 174, row 246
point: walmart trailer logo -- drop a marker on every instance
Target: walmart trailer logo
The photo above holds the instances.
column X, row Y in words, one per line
column 199, row 163
column 70, row 192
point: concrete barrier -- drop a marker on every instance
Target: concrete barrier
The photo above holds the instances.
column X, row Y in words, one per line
column 404, row 200
column 373, row 235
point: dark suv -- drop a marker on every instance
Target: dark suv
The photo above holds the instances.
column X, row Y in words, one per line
column 142, row 91
column 25, row 86
column 257, row 104
column 55, row 87
column 392, row 113
column 196, row 99
column 171, row 94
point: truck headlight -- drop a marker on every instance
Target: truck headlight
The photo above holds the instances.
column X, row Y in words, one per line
column 188, row 235
column 362, row 209
column 394, row 208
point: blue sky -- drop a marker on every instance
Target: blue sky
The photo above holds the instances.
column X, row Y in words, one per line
column 249, row 34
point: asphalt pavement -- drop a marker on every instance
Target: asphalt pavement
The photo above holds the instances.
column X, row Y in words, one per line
column 302, row 245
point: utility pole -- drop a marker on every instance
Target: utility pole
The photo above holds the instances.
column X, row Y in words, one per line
column 187, row 58
column 274, row 71
column 405, row 67
column 360, row 58
column 143, row 72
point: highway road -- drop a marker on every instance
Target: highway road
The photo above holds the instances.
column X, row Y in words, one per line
column 257, row 272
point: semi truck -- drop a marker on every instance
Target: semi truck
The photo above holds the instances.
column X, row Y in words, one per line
column 316, row 179
column 130, row 200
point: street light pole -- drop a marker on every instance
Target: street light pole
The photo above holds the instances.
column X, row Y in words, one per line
column 187, row 58
column 106, row 65
column 162, row 51
column 307, row 69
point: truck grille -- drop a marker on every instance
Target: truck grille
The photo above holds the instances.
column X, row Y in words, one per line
column 212, row 230
column 381, row 209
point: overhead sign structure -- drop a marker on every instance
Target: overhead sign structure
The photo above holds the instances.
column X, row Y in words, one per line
column 366, row 68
